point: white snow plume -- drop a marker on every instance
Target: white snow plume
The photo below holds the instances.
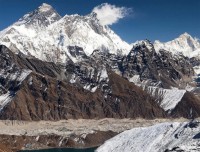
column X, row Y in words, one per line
column 109, row 14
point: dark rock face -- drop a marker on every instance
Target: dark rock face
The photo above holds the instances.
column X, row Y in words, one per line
column 43, row 95
column 44, row 98
column 188, row 107
column 161, row 67
column 197, row 136
column 77, row 53
column 194, row 61
column 174, row 149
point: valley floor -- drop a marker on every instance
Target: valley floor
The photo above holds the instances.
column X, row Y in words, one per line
column 67, row 133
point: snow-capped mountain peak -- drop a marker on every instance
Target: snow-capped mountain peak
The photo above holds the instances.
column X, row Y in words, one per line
column 88, row 33
column 45, row 7
column 41, row 17
column 44, row 34
column 185, row 35
column 185, row 44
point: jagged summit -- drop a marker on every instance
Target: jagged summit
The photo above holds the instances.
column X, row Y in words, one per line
column 43, row 16
column 187, row 35
column 45, row 7
column 143, row 43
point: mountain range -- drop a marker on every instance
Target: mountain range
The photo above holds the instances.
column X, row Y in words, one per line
column 55, row 67
column 46, row 35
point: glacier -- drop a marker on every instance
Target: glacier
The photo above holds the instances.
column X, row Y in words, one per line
column 169, row 136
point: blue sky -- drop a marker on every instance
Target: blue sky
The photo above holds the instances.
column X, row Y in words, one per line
column 151, row 19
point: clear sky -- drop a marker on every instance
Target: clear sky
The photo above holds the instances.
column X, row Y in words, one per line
column 151, row 19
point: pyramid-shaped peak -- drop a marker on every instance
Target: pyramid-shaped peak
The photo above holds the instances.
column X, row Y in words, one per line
column 45, row 7
column 41, row 17
column 185, row 35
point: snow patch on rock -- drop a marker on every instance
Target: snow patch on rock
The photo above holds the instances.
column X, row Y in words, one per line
column 5, row 99
column 169, row 97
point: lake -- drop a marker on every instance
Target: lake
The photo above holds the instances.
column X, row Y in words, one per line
column 62, row 150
